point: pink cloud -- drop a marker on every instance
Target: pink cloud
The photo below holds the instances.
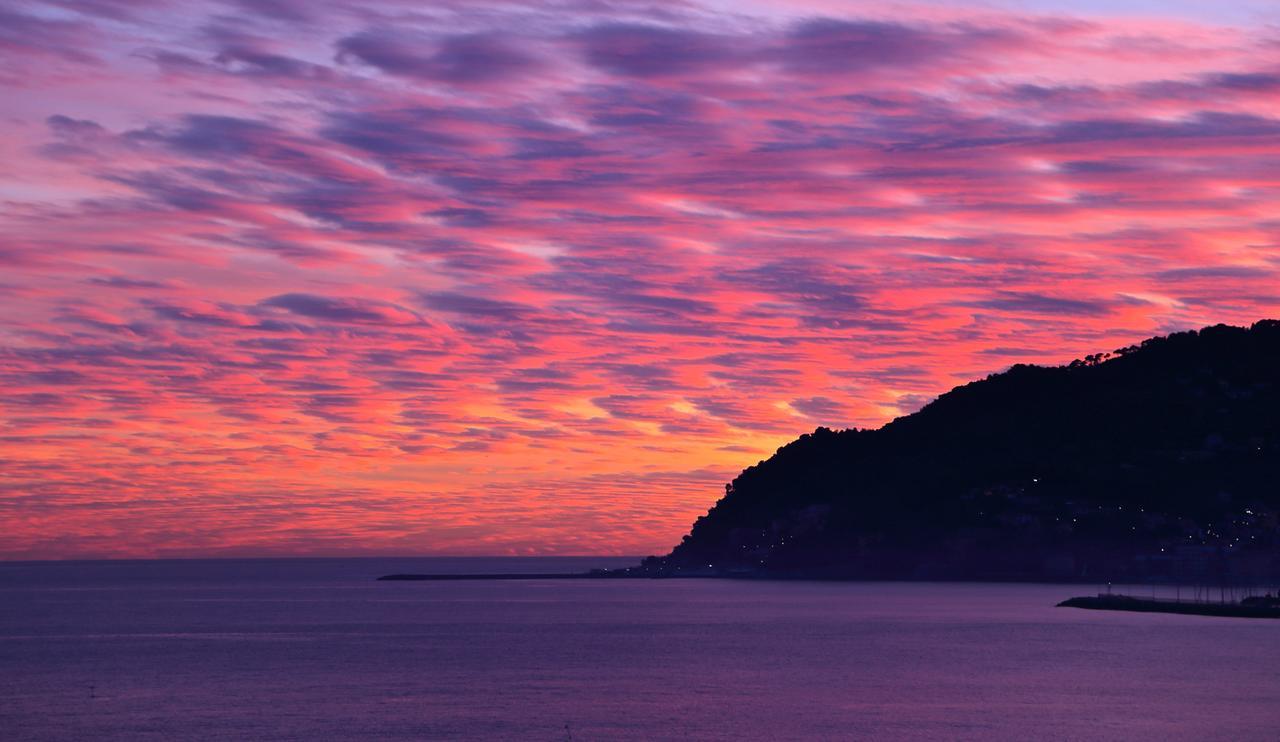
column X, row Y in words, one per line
column 281, row 280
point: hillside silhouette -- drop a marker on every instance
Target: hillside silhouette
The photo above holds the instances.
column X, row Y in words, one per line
column 1155, row 461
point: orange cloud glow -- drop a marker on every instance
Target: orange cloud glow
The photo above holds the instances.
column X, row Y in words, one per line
column 299, row 278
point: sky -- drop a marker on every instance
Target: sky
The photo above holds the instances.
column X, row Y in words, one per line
column 282, row 277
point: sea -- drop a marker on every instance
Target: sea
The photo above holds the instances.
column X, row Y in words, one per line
column 317, row 649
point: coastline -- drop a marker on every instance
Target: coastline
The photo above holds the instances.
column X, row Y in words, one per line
column 1146, row 605
column 630, row 574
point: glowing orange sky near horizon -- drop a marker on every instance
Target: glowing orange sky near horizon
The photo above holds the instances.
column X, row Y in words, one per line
column 285, row 278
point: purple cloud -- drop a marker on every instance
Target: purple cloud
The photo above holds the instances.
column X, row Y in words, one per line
column 343, row 310
column 469, row 59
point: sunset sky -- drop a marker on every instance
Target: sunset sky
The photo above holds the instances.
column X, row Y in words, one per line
column 285, row 277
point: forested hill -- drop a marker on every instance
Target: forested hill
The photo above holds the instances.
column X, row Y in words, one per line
column 1157, row 459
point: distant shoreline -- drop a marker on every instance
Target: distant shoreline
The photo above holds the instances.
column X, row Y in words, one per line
column 1191, row 608
column 625, row 574
column 499, row 576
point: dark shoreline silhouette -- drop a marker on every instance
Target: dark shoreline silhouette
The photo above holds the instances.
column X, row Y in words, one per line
column 492, row 576
column 1158, row 463
column 1258, row 608
column 632, row 573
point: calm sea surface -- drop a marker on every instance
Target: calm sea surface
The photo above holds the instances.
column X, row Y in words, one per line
column 316, row 649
